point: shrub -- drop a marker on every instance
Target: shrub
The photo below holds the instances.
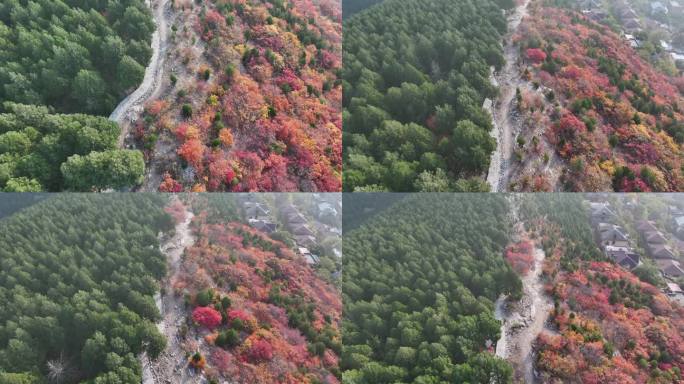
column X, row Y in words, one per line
column 186, row 110
column 204, row 298
column 260, row 351
column 228, row 339
column 207, row 317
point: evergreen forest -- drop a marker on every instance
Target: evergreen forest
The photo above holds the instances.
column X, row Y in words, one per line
column 64, row 66
column 77, row 277
column 415, row 76
column 419, row 284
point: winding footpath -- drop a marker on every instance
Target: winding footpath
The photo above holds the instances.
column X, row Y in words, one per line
column 522, row 321
column 508, row 80
column 171, row 366
column 130, row 107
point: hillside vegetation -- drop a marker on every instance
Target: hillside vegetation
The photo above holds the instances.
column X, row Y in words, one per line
column 416, row 74
column 616, row 121
column 40, row 151
column 77, row 276
column 350, row 7
column 419, row 284
column 74, row 55
column 606, row 325
column 256, row 104
column 64, row 65
column 258, row 313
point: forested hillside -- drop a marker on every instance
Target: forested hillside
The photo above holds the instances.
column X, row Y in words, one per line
column 606, row 325
column 419, row 284
column 40, row 151
column 77, row 276
column 616, row 121
column 13, row 202
column 255, row 105
column 567, row 214
column 416, row 74
column 350, row 7
column 361, row 206
column 256, row 312
column 74, row 55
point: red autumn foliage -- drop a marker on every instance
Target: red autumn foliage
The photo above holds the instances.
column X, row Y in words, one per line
column 155, row 107
column 614, row 105
column 238, row 314
column 611, row 327
column 260, row 351
column 536, row 55
column 206, row 316
column 169, row 184
column 270, row 349
column 521, row 256
column 192, row 151
column 274, row 83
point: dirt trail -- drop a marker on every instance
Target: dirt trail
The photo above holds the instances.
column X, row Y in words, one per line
column 172, row 365
column 129, row 109
column 508, row 80
column 524, row 320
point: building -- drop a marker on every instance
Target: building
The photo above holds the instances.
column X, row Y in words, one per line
column 633, row 41
column 326, row 209
column 307, row 241
column 301, row 230
column 308, row 256
column 256, row 211
column 263, row 225
column 623, row 256
column 670, row 268
column 673, row 289
column 601, row 213
column 659, row 8
column 645, row 226
column 295, row 219
column 660, row 251
column 590, row 4
column 632, row 25
column 613, row 235
column 654, row 237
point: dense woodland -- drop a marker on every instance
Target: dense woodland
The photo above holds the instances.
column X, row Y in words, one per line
column 260, row 109
column 259, row 312
column 40, row 151
column 616, row 121
column 350, row 7
column 73, row 55
column 77, row 276
column 360, row 206
column 606, row 324
column 416, row 74
column 419, row 284
column 13, row 202
column 568, row 214
column 70, row 57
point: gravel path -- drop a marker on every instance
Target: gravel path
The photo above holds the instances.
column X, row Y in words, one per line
column 508, row 80
column 524, row 320
column 172, row 365
column 129, row 109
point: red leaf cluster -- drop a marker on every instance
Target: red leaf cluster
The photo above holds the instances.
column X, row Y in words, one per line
column 206, row 316
column 536, row 55
column 521, row 256
column 260, row 351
